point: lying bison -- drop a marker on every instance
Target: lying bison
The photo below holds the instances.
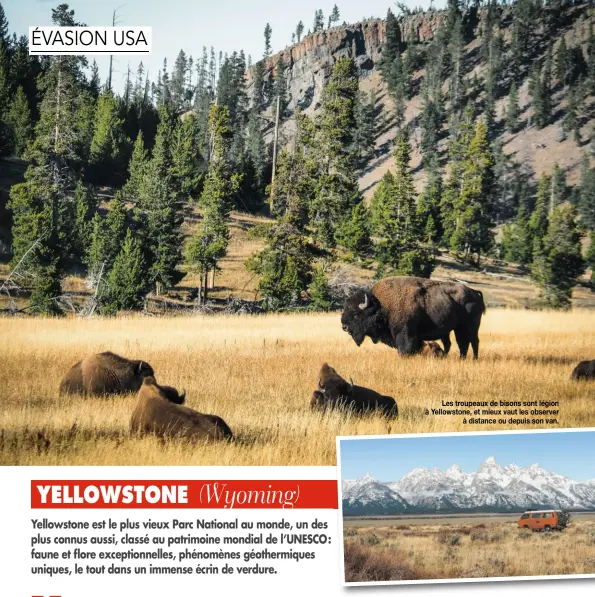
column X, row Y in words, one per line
column 159, row 412
column 403, row 312
column 584, row 370
column 432, row 349
column 334, row 392
column 105, row 373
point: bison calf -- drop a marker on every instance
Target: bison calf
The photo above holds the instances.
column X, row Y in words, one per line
column 584, row 370
column 159, row 412
column 432, row 349
column 105, row 373
column 334, row 392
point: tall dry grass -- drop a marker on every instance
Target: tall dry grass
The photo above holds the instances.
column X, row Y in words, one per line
column 258, row 373
column 437, row 551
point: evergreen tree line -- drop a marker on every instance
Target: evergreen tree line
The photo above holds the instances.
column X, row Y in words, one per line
column 480, row 186
column 200, row 137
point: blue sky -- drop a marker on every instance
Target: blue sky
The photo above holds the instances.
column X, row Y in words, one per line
column 388, row 459
column 227, row 25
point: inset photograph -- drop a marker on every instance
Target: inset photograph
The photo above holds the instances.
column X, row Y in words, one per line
column 448, row 507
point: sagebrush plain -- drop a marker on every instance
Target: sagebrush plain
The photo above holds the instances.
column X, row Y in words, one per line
column 465, row 548
column 258, row 373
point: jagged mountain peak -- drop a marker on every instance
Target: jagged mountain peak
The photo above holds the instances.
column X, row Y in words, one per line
column 491, row 487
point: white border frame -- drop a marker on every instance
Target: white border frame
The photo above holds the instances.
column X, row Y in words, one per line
column 396, row 437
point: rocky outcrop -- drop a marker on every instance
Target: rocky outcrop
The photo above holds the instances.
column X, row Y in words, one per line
column 310, row 61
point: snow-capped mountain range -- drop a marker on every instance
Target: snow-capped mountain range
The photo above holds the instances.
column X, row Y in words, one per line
column 491, row 488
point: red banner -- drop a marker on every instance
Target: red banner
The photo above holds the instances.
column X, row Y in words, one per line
column 185, row 494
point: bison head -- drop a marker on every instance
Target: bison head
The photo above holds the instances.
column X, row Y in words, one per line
column 142, row 369
column 361, row 316
column 331, row 386
column 172, row 394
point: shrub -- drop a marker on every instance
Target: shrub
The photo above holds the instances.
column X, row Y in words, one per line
column 370, row 565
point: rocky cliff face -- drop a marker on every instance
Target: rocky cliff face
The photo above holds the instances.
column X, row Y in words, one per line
column 310, row 61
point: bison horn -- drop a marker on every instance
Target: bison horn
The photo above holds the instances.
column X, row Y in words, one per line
column 364, row 305
column 183, row 395
column 351, row 383
column 320, row 385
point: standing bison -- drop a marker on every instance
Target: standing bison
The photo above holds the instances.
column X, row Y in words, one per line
column 334, row 392
column 584, row 370
column 403, row 312
column 159, row 412
column 105, row 373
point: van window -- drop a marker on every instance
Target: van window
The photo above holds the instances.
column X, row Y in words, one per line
column 524, row 516
column 547, row 515
column 535, row 515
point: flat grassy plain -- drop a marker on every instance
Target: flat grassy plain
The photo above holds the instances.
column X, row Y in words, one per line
column 258, row 373
column 471, row 547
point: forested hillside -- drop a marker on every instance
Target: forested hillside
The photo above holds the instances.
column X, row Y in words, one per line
column 459, row 139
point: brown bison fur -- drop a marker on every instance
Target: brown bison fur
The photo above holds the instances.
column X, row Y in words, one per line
column 105, row 373
column 156, row 414
column 334, row 392
column 584, row 370
column 432, row 349
column 403, row 312
column 72, row 382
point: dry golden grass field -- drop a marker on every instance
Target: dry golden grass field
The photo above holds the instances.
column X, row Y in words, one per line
column 466, row 548
column 258, row 373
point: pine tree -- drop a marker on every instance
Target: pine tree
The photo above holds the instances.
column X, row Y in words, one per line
column 473, row 206
column 460, row 137
column 364, row 138
column 541, row 89
column 560, row 262
column 280, row 85
column 587, row 198
column 285, row 264
column 399, row 250
column 318, row 21
column 512, row 111
column 391, row 49
column 455, row 50
column 335, row 15
column 187, row 162
column 94, row 86
column 523, row 26
column 354, row 234
column 106, row 235
column 42, row 207
column 571, row 122
column 298, row 31
column 590, row 257
column 319, row 291
column 159, row 213
column 5, row 133
column 562, row 62
column 538, row 222
column 428, row 206
column 179, row 94
column 108, row 143
column 516, row 239
column 19, row 123
column 431, row 122
column 137, row 169
column 337, row 190
column 558, row 187
column 209, row 245
column 268, row 31
column 126, row 282
column 591, row 58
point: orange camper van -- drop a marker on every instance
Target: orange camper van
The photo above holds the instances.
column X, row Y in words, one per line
column 542, row 520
